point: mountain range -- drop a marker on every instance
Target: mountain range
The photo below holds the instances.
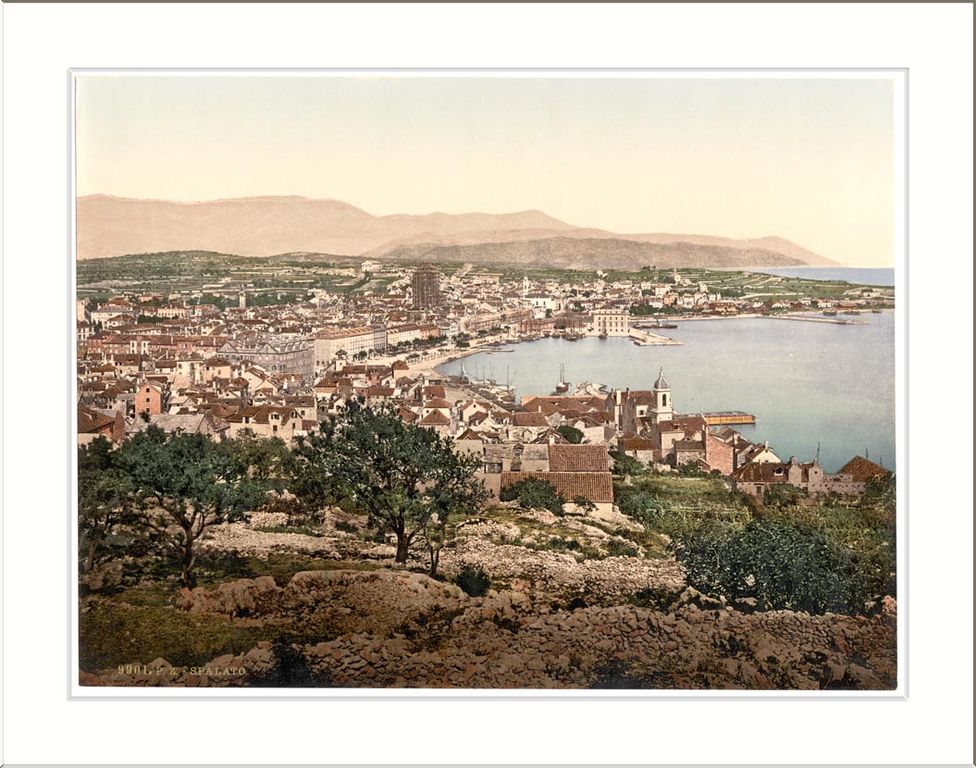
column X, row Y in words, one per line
column 264, row 226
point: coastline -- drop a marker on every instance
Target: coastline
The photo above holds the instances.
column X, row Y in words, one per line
column 432, row 365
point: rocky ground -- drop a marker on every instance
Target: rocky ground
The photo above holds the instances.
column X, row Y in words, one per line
column 559, row 615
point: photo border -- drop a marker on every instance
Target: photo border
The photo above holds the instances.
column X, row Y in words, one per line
column 900, row 106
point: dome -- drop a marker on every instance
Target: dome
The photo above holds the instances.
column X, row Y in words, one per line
column 661, row 383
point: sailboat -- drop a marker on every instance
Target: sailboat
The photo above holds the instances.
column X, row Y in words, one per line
column 563, row 386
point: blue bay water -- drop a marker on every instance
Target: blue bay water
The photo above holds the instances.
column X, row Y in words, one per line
column 806, row 382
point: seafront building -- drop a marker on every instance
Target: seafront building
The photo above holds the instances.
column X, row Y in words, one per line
column 173, row 360
column 611, row 322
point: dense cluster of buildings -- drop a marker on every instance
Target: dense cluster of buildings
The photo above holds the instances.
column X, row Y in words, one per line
column 278, row 371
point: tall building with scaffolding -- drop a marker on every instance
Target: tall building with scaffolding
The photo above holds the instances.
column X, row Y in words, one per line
column 426, row 285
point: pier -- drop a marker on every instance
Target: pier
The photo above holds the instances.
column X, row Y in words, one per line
column 725, row 418
column 812, row 319
column 647, row 339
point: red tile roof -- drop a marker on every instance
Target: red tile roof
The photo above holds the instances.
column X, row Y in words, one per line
column 862, row 470
column 636, row 444
column 595, row 486
column 534, row 419
column 434, row 419
column 578, row 458
column 767, row 472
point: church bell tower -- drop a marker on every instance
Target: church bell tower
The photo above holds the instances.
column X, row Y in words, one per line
column 661, row 410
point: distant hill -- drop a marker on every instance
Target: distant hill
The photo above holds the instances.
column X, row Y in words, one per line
column 603, row 253
column 262, row 226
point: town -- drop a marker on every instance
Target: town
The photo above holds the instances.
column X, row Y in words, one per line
column 219, row 359
column 278, row 478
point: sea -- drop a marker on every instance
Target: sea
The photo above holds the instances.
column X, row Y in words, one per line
column 815, row 388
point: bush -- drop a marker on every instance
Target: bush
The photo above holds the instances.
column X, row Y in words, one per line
column 534, row 494
column 473, row 581
column 626, row 465
column 690, row 469
column 584, row 504
column 779, row 563
column 655, row 598
column 570, row 434
column 783, row 496
column 618, row 548
column 641, row 505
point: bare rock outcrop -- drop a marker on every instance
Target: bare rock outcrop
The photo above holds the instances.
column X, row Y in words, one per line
column 561, row 575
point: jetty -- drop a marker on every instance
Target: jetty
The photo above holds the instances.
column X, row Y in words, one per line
column 813, row 319
column 643, row 338
column 728, row 418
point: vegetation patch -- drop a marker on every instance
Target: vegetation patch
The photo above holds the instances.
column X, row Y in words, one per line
column 473, row 581
column 111, row 635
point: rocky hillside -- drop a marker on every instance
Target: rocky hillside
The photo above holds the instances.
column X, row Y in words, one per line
column 565, row 609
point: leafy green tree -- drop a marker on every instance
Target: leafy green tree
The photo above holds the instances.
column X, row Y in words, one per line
column 184, row 484
column 400, row 474
column 532, row 493
column 626, row 465
column 570, row 434
column 261, row 458
column 103, row 499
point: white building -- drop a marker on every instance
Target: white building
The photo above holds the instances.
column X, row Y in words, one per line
column 352, row 341
column 612, row 322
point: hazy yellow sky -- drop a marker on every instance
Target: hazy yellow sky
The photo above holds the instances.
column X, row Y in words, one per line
column 808, row 160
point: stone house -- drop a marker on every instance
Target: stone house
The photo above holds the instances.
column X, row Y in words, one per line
column 851, row 481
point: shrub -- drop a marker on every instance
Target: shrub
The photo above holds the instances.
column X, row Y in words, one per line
column 783, row 496
column 641, row 505
column 779, row 563
column 626, row 465
column 655, row 598
column 534, row 494
column 691, row 469
column 618, row 548
column 570, row 434
column 584, row 503
column 473, row 581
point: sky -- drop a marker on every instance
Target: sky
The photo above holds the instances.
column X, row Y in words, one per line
column 810, row 160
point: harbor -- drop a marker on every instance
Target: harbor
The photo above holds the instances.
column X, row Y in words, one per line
column 721, row 368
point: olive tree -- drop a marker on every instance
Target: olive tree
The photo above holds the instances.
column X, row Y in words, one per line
column 400, row 474
column 104, row 500
column 183, row 484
